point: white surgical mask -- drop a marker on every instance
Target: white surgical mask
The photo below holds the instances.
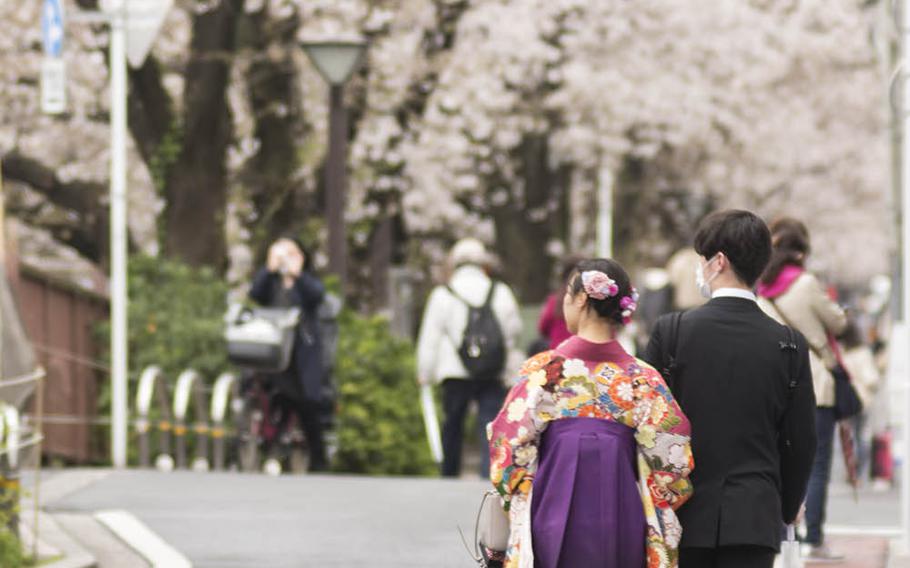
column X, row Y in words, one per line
column 703, row 284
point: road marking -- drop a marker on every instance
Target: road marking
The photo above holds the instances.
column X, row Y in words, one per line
column 848, row 530
column 141, row 538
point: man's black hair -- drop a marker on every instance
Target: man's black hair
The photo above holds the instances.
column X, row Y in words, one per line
column 742, row 236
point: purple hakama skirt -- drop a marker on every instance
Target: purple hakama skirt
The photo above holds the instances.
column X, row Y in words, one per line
column 586, row 511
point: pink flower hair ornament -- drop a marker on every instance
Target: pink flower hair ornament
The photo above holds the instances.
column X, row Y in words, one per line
column 598, row 285
column 629, row 304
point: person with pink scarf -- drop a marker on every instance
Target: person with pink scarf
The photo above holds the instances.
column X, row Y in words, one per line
column 795, row 297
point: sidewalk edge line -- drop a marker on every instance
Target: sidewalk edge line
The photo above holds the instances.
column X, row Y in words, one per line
column 142, row 539
column 852, row 530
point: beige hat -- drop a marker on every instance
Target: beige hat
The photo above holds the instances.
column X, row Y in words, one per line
column 469, row 251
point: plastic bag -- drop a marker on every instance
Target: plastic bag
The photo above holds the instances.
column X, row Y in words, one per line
column 789, row 551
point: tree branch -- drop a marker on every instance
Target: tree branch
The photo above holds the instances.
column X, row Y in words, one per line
column 88, row 232
column 80, row 196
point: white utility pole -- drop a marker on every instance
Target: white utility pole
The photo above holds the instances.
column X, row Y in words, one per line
column 904, row 107
column 605, row 182
column 133, row 26
column 119, row 363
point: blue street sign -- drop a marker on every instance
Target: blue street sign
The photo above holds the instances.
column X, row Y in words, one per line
column 52, row 27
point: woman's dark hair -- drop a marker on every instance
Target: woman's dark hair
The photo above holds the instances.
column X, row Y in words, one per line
column 608, row 308
column 568, row 269
column 308, row 265
column 742, row 236
column 791, row 247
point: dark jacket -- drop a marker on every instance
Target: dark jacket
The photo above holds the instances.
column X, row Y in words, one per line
column 732, row 381
column 306, row 376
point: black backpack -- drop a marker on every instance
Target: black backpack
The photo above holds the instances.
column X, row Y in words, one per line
column 483, row 347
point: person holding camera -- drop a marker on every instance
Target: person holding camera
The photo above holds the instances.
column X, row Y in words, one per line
column 288, row 281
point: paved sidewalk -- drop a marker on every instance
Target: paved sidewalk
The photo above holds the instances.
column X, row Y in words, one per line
column 861, row 552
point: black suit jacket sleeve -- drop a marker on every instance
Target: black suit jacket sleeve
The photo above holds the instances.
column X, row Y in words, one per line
column 799, row 428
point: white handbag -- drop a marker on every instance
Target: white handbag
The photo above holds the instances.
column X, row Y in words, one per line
column 491, row 532
column 261, row 338
column 789, row 551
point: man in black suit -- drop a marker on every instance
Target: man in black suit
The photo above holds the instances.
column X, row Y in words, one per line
column 745, row 384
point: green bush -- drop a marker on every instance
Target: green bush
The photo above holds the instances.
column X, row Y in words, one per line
column 380, row 429
column 175, row 318
column 175, row 322
column 11, row 553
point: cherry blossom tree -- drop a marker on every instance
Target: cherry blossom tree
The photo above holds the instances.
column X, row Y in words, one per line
column 495, row 118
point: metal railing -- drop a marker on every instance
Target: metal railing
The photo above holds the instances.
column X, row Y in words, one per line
column 189, row 409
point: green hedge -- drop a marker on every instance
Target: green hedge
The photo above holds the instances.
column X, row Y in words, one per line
column 176, row 321
column 175, row 318
column 380, row 428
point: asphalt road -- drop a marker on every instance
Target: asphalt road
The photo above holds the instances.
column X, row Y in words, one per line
column 244, row 520
column 230, row 520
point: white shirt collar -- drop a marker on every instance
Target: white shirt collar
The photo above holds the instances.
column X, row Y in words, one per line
column 734, row 293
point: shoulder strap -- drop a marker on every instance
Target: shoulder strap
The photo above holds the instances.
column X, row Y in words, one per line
column 486, row 303
column 674, row 326
column 791, row 346
column 790, row 326
column 670, row 343
column 792, row 380
column 457, row 295
column 489, row 301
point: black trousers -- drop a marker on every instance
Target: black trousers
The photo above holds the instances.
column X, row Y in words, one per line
column 743, row 556
column 457, row 394
column 308, row 414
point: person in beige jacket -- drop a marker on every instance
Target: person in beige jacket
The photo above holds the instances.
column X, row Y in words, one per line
column 797, row 298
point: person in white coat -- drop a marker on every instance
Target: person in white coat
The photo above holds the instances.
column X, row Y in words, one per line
column 442, row 331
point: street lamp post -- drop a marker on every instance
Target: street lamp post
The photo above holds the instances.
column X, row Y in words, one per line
column 336, row 62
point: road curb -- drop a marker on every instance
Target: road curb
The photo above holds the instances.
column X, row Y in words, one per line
column 142, row 539
column 73, row 554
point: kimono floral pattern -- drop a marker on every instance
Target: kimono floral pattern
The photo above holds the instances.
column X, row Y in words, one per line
column 552, row 387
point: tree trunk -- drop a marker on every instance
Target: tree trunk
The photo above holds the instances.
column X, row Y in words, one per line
column 196, row 187
column 279, row 203
column 525, row 227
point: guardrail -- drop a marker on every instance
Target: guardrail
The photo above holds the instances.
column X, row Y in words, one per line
column 190, row 387
column 224, row 394
column 190, row 408
column 153, row 388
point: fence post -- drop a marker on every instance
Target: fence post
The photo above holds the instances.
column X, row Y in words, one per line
column 201, row 426
column 146, row 390
column 189, row 386
column 164, row 461
column 222, row 397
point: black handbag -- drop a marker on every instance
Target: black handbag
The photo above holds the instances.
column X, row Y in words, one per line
column 847, row 403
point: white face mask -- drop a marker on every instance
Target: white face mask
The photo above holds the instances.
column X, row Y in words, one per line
column 703, row 284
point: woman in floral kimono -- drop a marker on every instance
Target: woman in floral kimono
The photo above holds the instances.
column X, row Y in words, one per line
column 590, row 452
